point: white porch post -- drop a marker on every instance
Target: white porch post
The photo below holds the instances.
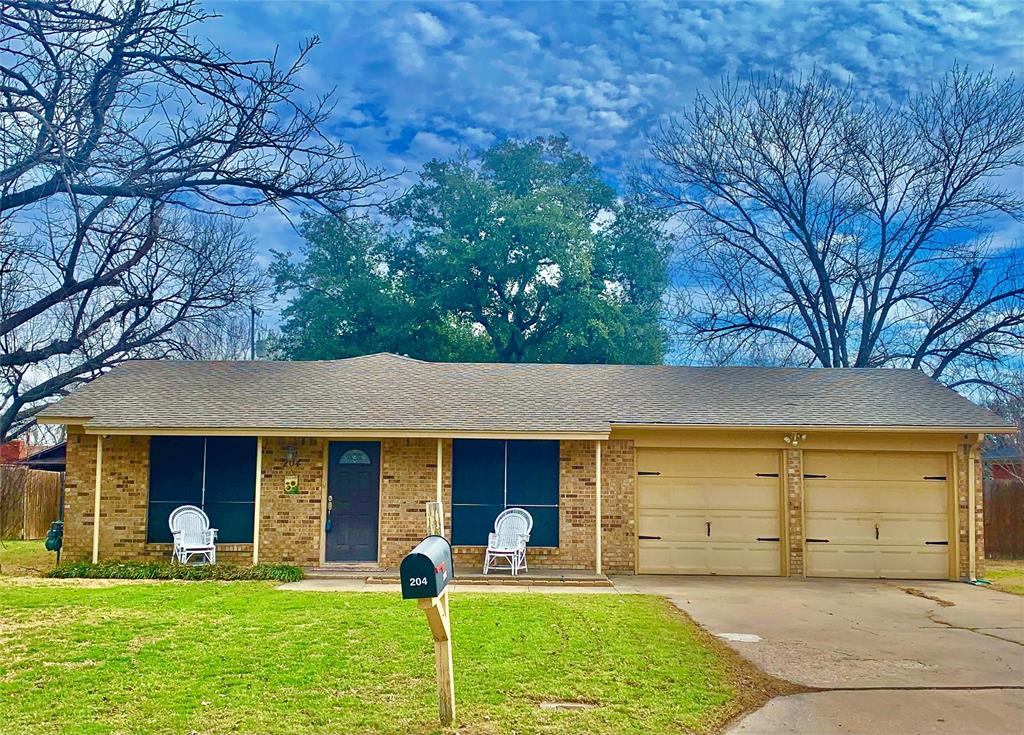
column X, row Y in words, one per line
column 597, row 506
column 96, row 501
column 440, row 471
column 256, row 509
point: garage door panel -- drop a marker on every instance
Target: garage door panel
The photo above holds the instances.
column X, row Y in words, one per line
column 759, row 559
column 828, row 560
column 743, row 526
column 666, row 492
column 874, row 496
column 707, row 463
column 913, row 563
column 839, row 528
column 690, row 492
column 875, row 466
column 910, row 530
column 664, row 557
column 672, row 525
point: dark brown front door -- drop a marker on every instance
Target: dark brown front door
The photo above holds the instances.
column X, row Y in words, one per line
column 353, row 501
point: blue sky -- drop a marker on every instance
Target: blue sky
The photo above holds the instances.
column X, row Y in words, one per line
column 420, row 80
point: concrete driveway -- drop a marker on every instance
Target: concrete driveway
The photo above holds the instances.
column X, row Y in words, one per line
column 890, row 656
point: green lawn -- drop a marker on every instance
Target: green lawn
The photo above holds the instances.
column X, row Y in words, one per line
column 1006, row 575
column 214, row 657
column 25, row 558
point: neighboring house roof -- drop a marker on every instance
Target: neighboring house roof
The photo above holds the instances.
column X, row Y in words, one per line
column 49, row 458
column 13, row 450
column 1003, row 455
column 386, row 392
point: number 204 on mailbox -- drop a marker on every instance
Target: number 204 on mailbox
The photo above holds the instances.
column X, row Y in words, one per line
column 427, row 569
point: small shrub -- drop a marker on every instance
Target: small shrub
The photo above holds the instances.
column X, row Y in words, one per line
column 164, row 570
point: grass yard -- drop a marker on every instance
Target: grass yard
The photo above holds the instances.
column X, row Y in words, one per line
column 214, row 657
column 25, row 558
column 1006, row 575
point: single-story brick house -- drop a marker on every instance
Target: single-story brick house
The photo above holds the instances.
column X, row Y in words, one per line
column 691, row 470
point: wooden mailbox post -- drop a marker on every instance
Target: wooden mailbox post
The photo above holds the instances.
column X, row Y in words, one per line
column 425, row 574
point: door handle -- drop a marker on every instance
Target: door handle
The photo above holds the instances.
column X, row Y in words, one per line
column 708, row 523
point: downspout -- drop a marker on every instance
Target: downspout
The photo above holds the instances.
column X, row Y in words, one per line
column 972, row 520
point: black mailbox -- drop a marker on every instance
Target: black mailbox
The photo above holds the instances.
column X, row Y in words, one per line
column 427, row 569
column 55, row 536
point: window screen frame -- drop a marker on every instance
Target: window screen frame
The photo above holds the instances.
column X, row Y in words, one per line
column 544, row 513
column 232, row 529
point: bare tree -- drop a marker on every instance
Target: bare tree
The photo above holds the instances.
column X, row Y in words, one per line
column 118, row 131
column 818, row 228
column 189, row 276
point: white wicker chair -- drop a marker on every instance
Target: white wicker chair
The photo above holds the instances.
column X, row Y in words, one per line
column 190, row 527
column 506, row 547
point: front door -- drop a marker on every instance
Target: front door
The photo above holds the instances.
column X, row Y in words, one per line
column 353, row 501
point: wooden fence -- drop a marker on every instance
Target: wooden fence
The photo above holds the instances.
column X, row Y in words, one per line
column 1004, row 519
column 29, row 501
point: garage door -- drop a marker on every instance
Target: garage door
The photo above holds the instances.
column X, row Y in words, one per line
column 876, row 514
column 706, row 511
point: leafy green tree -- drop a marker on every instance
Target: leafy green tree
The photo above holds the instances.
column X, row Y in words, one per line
column 348, row 300
column 521, row 254
column 530, row 246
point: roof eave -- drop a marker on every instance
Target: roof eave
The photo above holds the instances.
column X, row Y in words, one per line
column 823, row 427
column 328, row 433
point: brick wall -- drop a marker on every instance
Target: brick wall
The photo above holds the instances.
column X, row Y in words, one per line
column 793, row 462
column 78, row 496
column 290, row 525
column 408, row 483
column 124, row 497
column 618, row 506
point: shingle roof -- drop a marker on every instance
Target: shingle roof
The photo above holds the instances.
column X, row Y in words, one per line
column 389, row 393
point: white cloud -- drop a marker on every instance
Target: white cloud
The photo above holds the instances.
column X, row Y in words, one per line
column 432, row 31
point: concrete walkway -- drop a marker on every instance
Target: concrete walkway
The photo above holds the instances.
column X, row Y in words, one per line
column 361, row 585
column 906, row 658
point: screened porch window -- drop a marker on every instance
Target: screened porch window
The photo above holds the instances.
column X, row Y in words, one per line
column 215, row 473
column 489, row 475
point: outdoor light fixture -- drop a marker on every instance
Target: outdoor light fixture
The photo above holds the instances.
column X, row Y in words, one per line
column 794, row 438
column 291, row 455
